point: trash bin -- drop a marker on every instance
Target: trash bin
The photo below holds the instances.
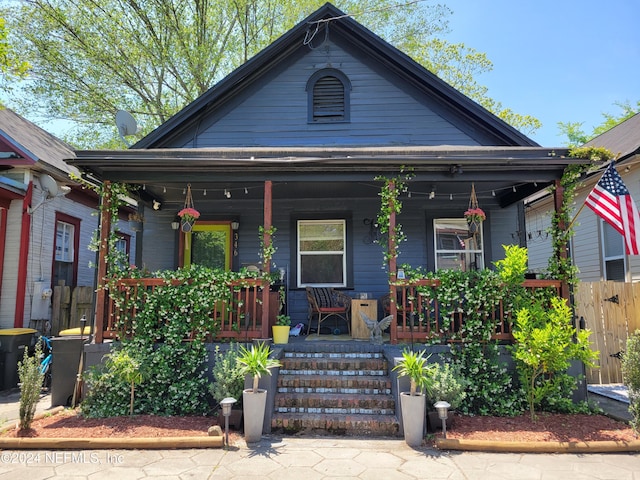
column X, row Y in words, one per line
column 13, row 341
column 64, row 367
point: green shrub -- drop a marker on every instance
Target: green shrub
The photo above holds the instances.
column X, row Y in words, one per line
column 631, row 377
column 446, row 385
column 228, row 380
column 30, row 385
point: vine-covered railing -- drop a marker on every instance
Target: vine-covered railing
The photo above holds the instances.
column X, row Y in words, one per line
column 420, row 316
column 235, row 313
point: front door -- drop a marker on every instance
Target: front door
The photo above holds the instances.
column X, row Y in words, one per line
column 208, row 244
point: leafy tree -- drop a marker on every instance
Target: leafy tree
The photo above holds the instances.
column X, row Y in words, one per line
column 11, row 65
column 546, row 342
column 153, row 57
column 577, row 136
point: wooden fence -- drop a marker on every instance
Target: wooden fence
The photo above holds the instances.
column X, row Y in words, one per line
column 69, row 305
column 610, row 310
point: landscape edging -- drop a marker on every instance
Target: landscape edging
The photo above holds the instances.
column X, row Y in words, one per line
column 110, row 443
column 607, row 446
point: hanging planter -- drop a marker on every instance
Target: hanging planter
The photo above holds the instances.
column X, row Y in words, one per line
column 188, row 215
column 474, row 214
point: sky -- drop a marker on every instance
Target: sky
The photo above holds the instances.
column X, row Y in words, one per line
column 557, row 60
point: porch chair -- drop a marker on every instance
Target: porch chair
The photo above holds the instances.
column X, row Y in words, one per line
column 327, row 302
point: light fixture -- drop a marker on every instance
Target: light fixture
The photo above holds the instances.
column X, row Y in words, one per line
column 175, row 225
column 204, row 192
column 227, row 193
column 226, row 404
column 514, row 189
column 235, row 225
column 156, row 205
column 442, row 408
column 246, row 191
column 432, row 194
column 451, row 196
column 493, row 193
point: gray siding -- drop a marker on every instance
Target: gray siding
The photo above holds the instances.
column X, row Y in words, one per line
column 382, row 113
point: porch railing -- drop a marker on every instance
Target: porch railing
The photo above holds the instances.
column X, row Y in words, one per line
column 238, row 316
column 419, row 317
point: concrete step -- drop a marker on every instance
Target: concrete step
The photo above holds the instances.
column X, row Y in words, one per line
column 337, row 424
column 333, row 366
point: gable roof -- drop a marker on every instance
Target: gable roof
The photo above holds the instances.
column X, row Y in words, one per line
column 622, row 140
column 359, row 37
column 24, row 143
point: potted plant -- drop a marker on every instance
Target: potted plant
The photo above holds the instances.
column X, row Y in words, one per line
column 281, row 329
column 228, row 381
column 255, row 362
column 414, row 365
column 445, row 385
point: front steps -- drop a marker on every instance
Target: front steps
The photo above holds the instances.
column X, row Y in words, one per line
column 334, row 388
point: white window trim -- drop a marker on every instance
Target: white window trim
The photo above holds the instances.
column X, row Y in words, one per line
column 438, row 251
column 343, row 252
column 603, row 254
column 68, row 237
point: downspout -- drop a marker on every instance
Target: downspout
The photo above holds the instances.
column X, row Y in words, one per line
column 266, row 267
column 103, row 250
column 23, row 258
column 3, row 242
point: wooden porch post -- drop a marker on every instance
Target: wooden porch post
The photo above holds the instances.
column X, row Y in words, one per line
column 266, row 267
column 103, row 250
column 392, row 249
column 558, row 199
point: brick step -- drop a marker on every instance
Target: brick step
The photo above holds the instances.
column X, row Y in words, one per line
column 335, row 403
column 342, row 365
column 337, row 424
column 348, row 384
column 333, row 355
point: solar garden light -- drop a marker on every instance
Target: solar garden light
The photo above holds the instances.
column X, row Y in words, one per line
column 227, row 403
column 443, row 412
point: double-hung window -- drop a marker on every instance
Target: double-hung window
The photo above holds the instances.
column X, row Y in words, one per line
column 457, row 248
column 65, row 258
column 321, row 258
column 613, row 257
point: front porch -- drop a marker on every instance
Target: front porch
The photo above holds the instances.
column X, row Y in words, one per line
column 238, row 313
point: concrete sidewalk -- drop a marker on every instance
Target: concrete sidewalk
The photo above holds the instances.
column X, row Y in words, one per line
column 314, row 458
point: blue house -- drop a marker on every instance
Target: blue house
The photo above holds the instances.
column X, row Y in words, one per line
column 298, row 137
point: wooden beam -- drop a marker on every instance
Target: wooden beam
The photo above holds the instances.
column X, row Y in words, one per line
column 103, row 250
column 266, row 267
column 23, row 258
column 558, row 199
column 393, row 250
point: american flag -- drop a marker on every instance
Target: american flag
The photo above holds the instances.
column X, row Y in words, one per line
column 610, row 200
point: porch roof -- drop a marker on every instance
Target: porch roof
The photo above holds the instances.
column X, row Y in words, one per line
column 349, row 171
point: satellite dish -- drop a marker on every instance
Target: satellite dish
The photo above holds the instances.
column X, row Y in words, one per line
column 126, row 124
column 49, row 186
column 51, row 189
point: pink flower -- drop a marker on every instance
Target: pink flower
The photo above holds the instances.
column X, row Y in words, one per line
column 189, row 213
column 475, row 214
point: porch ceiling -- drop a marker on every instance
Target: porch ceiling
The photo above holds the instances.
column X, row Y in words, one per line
column 512, row 173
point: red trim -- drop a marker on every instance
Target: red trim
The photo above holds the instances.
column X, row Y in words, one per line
column 63, row 217
column 23, row 258
column 3, row 242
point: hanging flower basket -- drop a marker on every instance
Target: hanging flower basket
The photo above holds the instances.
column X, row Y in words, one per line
column 188, row 215
column 474, row 214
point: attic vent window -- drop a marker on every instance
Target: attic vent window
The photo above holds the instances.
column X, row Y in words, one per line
column 328, row 92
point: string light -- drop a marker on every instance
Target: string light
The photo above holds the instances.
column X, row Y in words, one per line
column 184, row 191
column 451, row 196
column 204, row 192
column 409, row 194
column 246, row 191
column 514, row 189
column 164, row 189
column 144, row 186
column 493, row 193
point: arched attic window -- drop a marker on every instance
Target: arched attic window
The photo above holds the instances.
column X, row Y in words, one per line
column 328, row 93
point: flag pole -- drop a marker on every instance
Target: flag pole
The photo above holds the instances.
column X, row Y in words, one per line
column 584, row 203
